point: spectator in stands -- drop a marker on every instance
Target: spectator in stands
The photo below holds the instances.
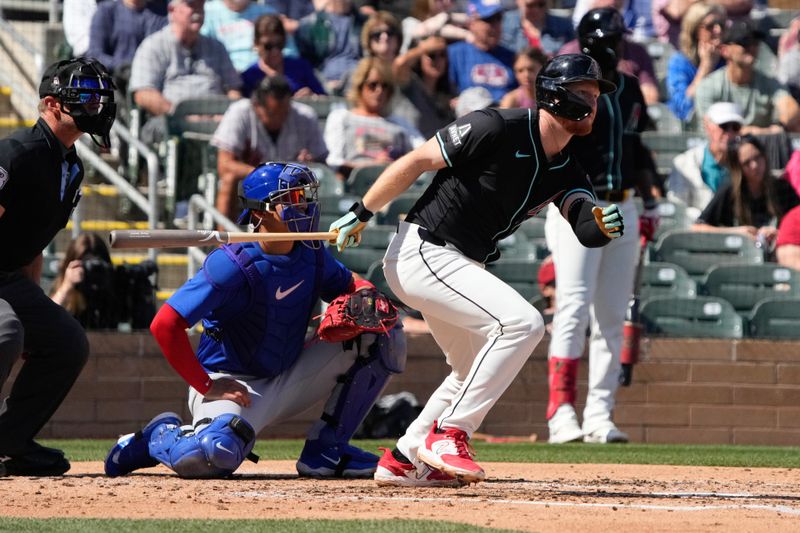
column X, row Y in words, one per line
column 177, row 63
column 668, row 16
column 789, row 61
column 787, row 245
column 77, row 20
column 527, row 65
column 700, row 171
column 483, row 62
column 270, row 39
column 364, row 135
column 266, row 127
column 634, row 61
column 422, row 77
column 381, row 36
column 434, row 18
column 766, row 103
column 531, row 25
column 231, row 23
column 330, row 39
column 752, row 202
column 701, row 33
column 84, row 285
column 117, row 30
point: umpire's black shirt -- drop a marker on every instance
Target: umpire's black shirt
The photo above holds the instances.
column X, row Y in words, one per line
column 40, row 183
column 497, row 176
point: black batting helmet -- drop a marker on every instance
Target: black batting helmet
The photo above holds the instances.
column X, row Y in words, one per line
column 552, row 92
column 599, row 32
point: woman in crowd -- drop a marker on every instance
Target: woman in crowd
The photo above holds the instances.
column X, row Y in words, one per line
column 269, row 38
column 381, row 36
column 527, row 65
column 701, row 32
column 364, row 134
column 753, row 202
column 84, row 285
column 421, row 74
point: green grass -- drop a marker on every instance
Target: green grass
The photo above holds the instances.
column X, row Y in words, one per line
column 658, row 454
column 75, row 525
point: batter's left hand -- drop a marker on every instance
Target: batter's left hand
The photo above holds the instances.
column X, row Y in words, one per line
column 609, row 220
column 649, row 221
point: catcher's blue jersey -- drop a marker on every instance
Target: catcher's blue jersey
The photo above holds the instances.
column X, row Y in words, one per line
column 257, row 326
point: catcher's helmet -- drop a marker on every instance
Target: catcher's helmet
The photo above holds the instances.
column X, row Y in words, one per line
column 85, row 87
column 290, row 185
column 552, row 92
column 599, row 32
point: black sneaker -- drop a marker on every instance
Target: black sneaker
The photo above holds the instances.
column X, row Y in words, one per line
column 38, row 461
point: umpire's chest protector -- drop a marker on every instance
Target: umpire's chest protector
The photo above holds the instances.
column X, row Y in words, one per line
column 268, row 336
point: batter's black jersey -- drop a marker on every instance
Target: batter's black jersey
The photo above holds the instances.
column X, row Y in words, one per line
column 40, row 184
column 612, row 152
column 497, row 176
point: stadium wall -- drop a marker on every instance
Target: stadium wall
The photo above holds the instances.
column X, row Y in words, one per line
column 684, row 391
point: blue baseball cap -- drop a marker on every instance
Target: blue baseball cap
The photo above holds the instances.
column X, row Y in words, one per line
column 484, row 9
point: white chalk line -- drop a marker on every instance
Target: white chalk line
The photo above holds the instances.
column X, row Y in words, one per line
column 780, row 509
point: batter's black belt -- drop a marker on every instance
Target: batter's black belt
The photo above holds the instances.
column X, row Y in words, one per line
column 427, row 236
column 614, row 196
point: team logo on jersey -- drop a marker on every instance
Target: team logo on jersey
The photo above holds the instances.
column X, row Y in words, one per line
column 490, row 74
column 3, row 177
column 458, row 132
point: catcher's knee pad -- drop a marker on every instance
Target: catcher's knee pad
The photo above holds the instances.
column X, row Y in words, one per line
column 215, row 451
column 358, row 388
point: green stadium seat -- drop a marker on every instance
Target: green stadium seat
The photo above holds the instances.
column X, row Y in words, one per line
column 329, row 184
column 673, row 217
column 517, row 246
column 362, row 178
column 335, row 204
column 515, row 270
column 745, row 285
column 666, row 279
column 377, row 236
column 698, row 251
column 703, row 316
column 533, row 228
column 776, row 318
column 322, row 104
column 358, row 259
column 397, row 208
column 375, row 276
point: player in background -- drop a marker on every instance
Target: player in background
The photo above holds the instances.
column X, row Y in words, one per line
column 594, row 285
column 496, row 168
column 254, row 366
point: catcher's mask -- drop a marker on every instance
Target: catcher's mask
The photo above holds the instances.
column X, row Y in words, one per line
column 292, row 186
column 86, row 92
column 552, row 85
column 600, row 32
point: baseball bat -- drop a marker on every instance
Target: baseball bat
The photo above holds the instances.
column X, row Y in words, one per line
column 177, row 238
column 632, row 328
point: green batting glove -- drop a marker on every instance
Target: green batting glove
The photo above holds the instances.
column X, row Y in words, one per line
column 350, row 226
column 609, row 220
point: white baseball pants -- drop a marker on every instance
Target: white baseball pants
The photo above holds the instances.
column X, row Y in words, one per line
column 593, row 284
column 484, row 327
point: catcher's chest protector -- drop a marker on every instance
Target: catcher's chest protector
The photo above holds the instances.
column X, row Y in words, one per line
column 269, row 335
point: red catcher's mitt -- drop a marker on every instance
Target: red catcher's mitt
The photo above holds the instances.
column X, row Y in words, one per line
column 364, row 310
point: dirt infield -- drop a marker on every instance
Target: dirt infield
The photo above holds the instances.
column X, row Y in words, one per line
column 526, row 497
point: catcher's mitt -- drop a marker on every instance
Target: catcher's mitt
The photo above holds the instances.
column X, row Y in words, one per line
column 366, row 309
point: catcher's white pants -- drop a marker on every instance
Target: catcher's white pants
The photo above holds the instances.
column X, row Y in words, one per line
column 484, row 327
column 593, row 284
column 311, row 379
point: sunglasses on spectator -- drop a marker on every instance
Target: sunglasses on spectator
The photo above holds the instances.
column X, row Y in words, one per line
column 373, row 85
column 494, row 19
column 376, row 35
column 438, row 54
column 268, row 47
column 731, row 126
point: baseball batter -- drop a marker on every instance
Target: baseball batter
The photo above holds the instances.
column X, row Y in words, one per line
column 496, row 168
column 594, row 284
column 253, row 366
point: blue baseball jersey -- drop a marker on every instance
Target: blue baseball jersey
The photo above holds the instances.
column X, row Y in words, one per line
column 472, row 67
column 255, row 307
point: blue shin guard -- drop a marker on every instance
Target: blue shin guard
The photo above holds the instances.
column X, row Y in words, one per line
column 215, row 451
column 330, row 454
column 131, row 451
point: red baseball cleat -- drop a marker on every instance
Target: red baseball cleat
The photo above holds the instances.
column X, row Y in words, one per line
column 448, row 450
column 400, row 472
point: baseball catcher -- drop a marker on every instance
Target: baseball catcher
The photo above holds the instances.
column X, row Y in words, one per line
column 253, row 366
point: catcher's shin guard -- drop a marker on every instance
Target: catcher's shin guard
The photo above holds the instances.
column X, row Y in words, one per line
column 562, row 378
column 357, row 389
column 216, row 451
